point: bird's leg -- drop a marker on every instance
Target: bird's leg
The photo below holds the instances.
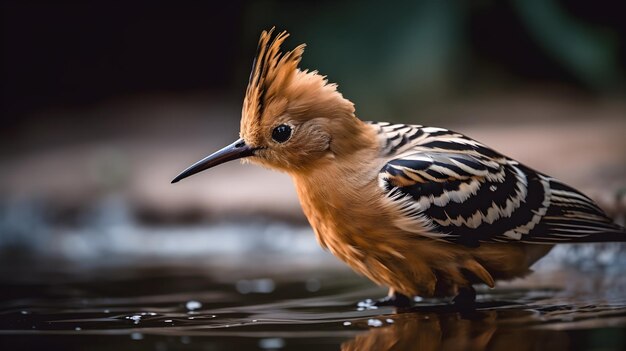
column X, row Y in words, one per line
column 394, row 299
column 465, row 297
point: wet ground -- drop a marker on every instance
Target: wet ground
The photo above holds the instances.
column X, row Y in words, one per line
column 267, row 286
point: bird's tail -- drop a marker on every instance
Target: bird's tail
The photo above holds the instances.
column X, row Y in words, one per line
column 574, row 217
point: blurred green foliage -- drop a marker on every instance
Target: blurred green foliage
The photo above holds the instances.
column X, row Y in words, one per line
column 588, row 53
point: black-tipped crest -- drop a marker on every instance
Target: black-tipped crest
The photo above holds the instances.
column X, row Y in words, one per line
column 271, row 71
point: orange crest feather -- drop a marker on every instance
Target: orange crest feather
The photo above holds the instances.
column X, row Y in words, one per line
column 272, row 71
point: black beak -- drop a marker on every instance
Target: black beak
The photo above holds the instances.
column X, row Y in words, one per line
column 236, row 150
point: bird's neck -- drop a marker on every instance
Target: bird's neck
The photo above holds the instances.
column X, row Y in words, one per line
column 346, row 178
column 351, row 138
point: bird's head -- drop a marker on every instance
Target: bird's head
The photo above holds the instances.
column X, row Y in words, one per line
column 292, row 119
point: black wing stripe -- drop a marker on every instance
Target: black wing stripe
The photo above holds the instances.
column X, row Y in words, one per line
column 521, row 220
column 574, row 227
column 416, row 134
column 447, row 146
column 490, row 202
column 462, row 145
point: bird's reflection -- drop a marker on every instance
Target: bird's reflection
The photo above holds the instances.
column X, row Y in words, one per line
column 476, row 330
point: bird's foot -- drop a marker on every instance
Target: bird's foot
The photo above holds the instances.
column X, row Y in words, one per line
column 395, row 300
column 466, row 298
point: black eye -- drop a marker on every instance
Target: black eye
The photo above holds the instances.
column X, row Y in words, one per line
column 281, row 133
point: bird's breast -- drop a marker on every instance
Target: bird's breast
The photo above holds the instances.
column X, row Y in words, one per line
column 349, row 217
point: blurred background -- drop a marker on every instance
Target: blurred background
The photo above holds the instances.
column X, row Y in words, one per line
column 104, row 103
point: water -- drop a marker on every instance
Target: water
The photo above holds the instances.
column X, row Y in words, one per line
column 267, row 286
column 183, row 307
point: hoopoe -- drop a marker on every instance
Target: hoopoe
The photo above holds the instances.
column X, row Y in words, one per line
column 424, row 211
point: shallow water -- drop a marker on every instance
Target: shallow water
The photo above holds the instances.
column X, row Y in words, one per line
column 269, row 287
column 175, row 308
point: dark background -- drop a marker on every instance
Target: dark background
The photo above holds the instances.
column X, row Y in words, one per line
column 76, row 53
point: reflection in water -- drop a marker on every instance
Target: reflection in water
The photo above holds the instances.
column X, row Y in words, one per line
column 478, row 330
column 429, row 332
column 183, row 308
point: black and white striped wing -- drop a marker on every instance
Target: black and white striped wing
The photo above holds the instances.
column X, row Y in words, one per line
column 468, row 194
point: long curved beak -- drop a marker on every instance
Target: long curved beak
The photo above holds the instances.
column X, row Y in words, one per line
column 236, row 150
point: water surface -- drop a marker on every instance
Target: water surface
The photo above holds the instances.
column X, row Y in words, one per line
column 283, row 293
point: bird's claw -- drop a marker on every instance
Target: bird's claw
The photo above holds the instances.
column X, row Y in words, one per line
column 465, row 298
column 395, row 300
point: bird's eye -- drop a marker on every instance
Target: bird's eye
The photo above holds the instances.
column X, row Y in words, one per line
column 281, row 133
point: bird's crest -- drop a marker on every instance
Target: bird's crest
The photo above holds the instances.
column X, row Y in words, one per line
column 272, row 71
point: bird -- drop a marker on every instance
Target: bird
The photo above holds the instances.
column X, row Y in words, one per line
column 423, row 211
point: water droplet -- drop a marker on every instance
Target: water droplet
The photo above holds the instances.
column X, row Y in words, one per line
column 193, row 305
column 254, row 320
column 135, row 318
column 389, row 320
column 374, row 322
column 168, row 321
column 367, row 304
column 345, row 324
column 106, row 311
column 24, row 312
column 77, row 328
